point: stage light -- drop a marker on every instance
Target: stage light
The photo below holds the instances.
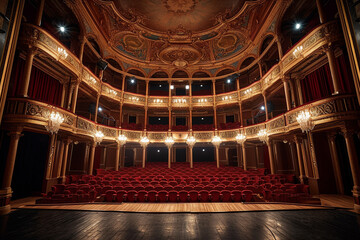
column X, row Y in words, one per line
column 297, row 26
column 262, row 108
column 187, row 87
column 228, row 81
column 171, row 87
column 62, row 29
column 201, row 85
column 160, row 85
column 100, row 109
column 132, row 80
column 203, row 149
column 158, row 150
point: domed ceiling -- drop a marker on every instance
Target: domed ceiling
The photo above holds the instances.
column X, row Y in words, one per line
column 167, row 15
column 180, row 33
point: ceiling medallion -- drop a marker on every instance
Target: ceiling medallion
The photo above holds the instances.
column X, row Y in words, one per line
column 180, row 6
column 180, row 55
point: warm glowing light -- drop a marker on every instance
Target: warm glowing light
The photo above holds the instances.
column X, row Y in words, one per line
column 262, row 108
column 62, row 52
column 144, row 141
column 98, row 136
column 191, row 141
column 297, row 52
column 240, row 138
column 169, row 141
column 187, row 87
column 100, row 109
column 132, row 80
column 121, row 139
column 171, row 87
column 305, row 122
column 54, row 122
column 263, row 136
column 216, row 140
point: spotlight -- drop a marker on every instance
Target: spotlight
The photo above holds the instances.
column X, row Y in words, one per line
column 201, row 85
column 160, row 85
column 202, row 118
column 100, row 109
column 132, row 80
column 158, row 150
column 228, row 81
column 159, row 119
column 262, row 108
column 187, row 87
column 62, row 29
column 297, row 26
column 171, row 87
column 203, row 149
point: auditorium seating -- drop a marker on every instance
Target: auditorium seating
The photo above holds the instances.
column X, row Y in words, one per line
column 157, row 183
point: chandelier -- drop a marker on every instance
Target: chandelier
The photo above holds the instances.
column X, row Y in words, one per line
column 98, row 136
column 169, row 141
column 305, row 122
column 144, row 141
column 54, row 122
column 240, row 138
column 263, row 135
column 121, row 139
column 191, row 141
column 216, row 140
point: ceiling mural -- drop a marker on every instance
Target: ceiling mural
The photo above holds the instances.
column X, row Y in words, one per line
column 179, row 33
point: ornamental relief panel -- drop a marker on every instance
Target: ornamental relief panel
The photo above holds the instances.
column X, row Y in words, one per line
column 250, row 131
column 36, row 110
column 323, row 109
column 131, row 135
column 108, row 132
column 203, row 135
column 278, row 123
column 157, row 136
column 85, row 125
column 228, row 134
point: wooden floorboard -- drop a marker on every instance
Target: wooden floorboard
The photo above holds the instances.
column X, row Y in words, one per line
column 338, row 201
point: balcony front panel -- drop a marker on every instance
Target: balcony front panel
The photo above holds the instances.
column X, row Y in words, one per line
column 180, row 102
column 134, row 99
column 203, row 101
column 91, row 80
column 159, row 102
column 111, row 92
column 250, row 91
column 227, row 98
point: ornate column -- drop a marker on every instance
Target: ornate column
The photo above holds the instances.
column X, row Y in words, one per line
column 66, row 152
column 243, row 149
column 50, row 160
column 279, row 48
column 190, row 141
column 92, row 156
column 117, row 158
column 144, row 156
column 82, row 40
column 97, row 106
column 190, row 105
column 304, row 158
column 313, row 155
column 285, row 81
column 335, row 162
column 39, row 13
column 298, row 87
column 260, row 69
column 214, row 100
column 60, row 160
column 354, row 164
column 265, row 105
column 271, row 157
column 169, row 142
column 217, row 156
column 75, row 95
column 6, row 192
column 170, row 106
column 24, row 87
column 292, row 92
column 298, row 140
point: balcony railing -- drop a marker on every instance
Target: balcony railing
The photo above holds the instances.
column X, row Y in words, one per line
column 34, row 115
column 315, row 40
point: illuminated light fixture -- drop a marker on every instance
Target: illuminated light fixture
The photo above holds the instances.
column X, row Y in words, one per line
column 305, row 122
column 62, row 52
column 240, row 138
column 191, row 141
column 100, row 109
column 228, row 81
column 132, row 80
column 297, row 52
column 158, row 150
column 203, row 149
column 201, row 85
column 62, row 29
column 187, row 87
column 160, row 85
column 202, row 118
column 263, row 136
column 248, row 91
column 297, row 26
column 121, row 139
column 159, row 119
column 216, row 140
column 98, row 137
column 262, row 108
column 169, row 141
column 113, row 92
column 54, row 122
column 144, row 141
column 171, row 87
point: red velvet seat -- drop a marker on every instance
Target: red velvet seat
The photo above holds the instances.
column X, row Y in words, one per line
column 236, row 196
column 183, row 196
column 58, row 188
column 173, row 196
column 247, row 195
column 193, row 196
column 162, row 196
column 120, row 195
column 151, row 196
column 204, row 196
column 226, row 196
column 110, row 195
column 214, row 196
column 141, row 196
column 131, row 196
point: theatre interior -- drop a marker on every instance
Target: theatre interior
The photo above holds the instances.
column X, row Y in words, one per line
column 180, row 107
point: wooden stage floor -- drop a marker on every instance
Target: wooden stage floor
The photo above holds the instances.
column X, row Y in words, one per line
column 327, row 201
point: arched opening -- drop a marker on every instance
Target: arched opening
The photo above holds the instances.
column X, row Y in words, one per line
column 111, row 76
column 134, row 85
